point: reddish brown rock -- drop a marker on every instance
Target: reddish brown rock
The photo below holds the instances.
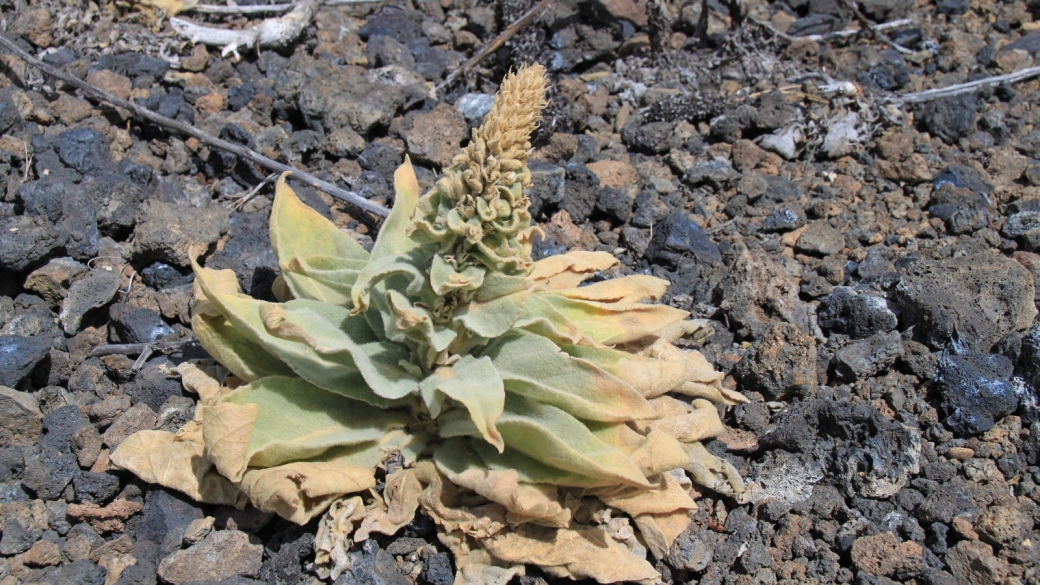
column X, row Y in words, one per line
column 112, row 82
column 42, row 554
column 435, row 136
column 974, row 561
column 883, row 554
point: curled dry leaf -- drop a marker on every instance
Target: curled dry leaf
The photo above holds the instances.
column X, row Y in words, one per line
column 539, row 421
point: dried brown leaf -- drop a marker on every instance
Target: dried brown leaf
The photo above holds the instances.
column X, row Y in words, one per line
column 299, row 491
column 578, row 553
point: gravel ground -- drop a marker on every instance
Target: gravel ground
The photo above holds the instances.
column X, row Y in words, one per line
column 869, row 269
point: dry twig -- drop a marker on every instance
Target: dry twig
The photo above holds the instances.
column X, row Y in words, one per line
column 271, row 32
column 246, row 153
column 941, row 92
column 831, row 35
column 494, row 45
column 262, row 8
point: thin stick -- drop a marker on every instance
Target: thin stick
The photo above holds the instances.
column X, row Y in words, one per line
column 243, row 152
column 257, row 9
column 139, row 348
column 941, row 92
column 831, row 35
column 495, row 44
column 262, row 8
column 235, row 205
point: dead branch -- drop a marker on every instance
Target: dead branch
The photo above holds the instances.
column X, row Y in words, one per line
column 941, row 92
column 494, row 45
column 248, row 154
column 262, row 8
column 272, row 32
column 831, row 35
column 240, row 10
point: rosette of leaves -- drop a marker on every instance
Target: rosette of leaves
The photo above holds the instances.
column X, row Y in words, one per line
column 494, row 378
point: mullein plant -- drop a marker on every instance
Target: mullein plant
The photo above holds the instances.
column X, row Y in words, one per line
column 537, row 420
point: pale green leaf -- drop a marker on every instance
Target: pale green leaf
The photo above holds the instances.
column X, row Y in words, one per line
column 408, row 321
column 530, row 470
column 475, row 384
column 616, row 323
column 297, row 420
column 334, row 333
column 445, row 279
column 404, row 267
column 492, row 318
column 559, row 440
column 336, row 373
column 393, row 239
column 322, row 278
column 245, row 358
column 299, row 231
column 533, row 366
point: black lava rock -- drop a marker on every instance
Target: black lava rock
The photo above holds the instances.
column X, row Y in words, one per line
column 371, row 566
column 248, row 252
column 784, row 219
column 546, row 191
column 857, row 315
column 81, row 572
column 651, row 138
column 964, row 177
column 97, row 488
column 581, row 192
column 865, row 454
column 160, row 275
column 953, row 7
column 285, row 553
column 437, row 570
column 19, row 355
column 977, row 389
column 239, row 96
column 83, row 149
column 142, row 69
column 395, row 22
column 59, row 426
column 153, row 387
column 136, row 324
column 950, row 118
column 614, row 204
column 380, row 158
column 69, row 210
column 384, row 50
column 115, row 198
column 164, row 518
column 677, row 238
column 26, row 240
column 47, row 471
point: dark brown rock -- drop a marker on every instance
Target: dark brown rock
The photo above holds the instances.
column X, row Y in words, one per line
column 781, row 363
column 221, row 555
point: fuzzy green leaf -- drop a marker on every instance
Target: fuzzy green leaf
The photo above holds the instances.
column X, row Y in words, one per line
column 408, row 321
column 246, row 359
column 475, row 384
column 534, row 366
column 393, row 239
column 334, row 333
column 322, row 278
column 445, row 279
column 549, row 435
column 297, row 420
column 530, row 470
column 492, row 318
column 336, row 373
column 404, row 269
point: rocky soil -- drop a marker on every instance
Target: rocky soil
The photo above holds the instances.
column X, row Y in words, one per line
column 869, row 269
